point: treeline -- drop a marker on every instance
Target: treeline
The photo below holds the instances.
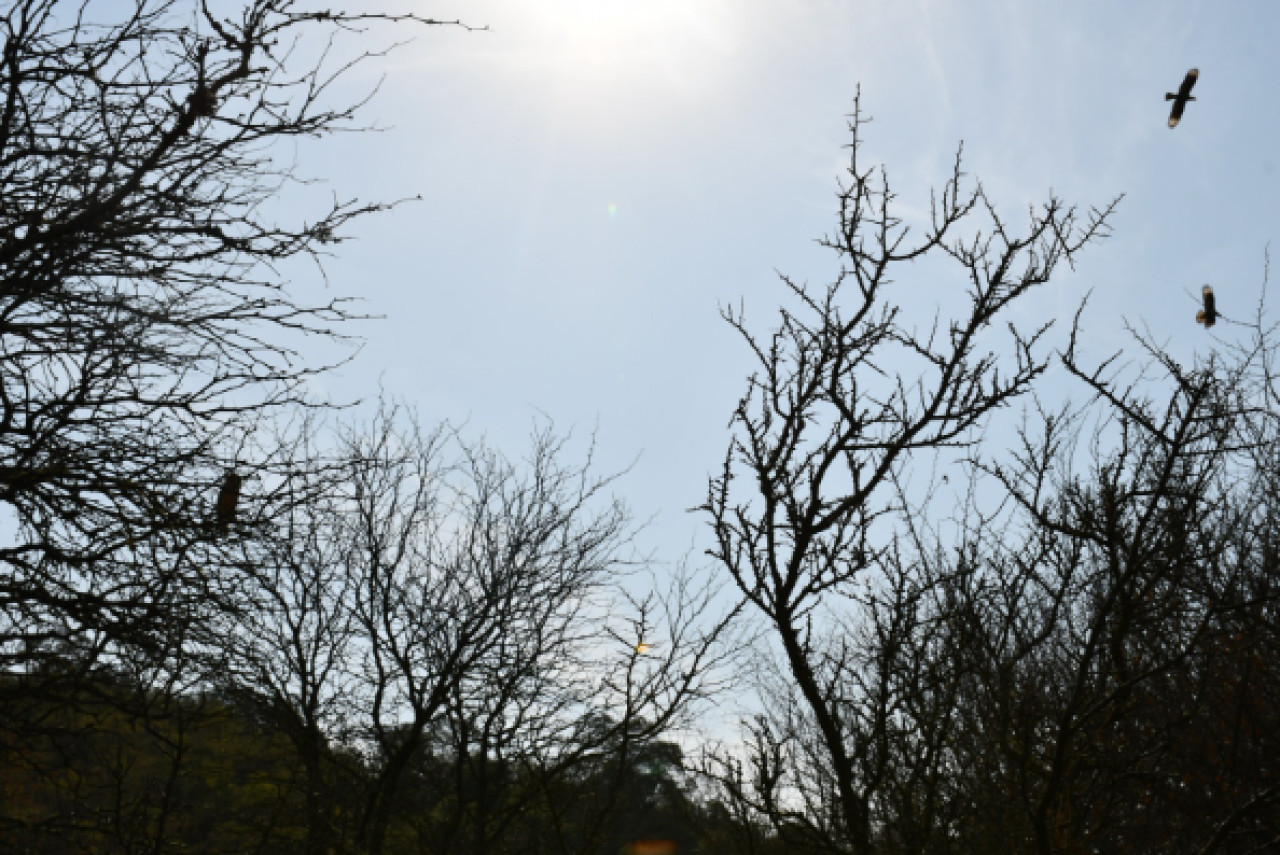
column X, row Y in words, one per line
column 231, row 621
column 105, row 764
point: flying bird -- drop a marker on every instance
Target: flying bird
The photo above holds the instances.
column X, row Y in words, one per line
column 1209, row 314
column 225, row 508
column 1184, row 95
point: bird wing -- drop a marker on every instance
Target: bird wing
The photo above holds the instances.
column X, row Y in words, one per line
column 1184, row 91
column 1180, row 100
column 1209, row 304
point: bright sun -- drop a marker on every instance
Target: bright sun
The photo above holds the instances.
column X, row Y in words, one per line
column 628, row 48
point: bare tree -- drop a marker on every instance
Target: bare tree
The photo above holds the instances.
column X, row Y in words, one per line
column 442, row 632
column 1118, row 691
column 806, row 511
column 144, row 328
column 1080, row 658
column 142, row 325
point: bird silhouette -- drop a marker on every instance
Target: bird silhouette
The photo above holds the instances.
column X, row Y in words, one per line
column 1184, row 95
column 203, row 102
column 225, row 508
column 1209, row 314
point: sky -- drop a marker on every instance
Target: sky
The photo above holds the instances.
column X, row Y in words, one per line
column 600, row 177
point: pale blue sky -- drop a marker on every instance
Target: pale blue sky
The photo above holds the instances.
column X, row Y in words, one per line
column 715, row 128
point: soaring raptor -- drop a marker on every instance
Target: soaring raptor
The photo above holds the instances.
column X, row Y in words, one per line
column 1184, row 95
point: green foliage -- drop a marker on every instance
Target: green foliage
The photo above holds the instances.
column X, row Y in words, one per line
column 105, row 766
column 101, row 765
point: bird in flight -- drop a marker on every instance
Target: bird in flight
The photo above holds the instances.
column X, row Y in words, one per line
column 1184, row 95
column 1209, row 314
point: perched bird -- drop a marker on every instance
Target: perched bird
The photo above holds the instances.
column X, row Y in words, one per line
column 1184, row 95
column 225, row 509
column 203, row 102
column 1209, row 314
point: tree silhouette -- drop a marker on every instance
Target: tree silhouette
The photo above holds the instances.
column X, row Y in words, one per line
column 1078, row 656
column 466, row 625
column 142, row 331
column 846, row 392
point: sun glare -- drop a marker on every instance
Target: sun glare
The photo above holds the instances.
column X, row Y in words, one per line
column 633, row 48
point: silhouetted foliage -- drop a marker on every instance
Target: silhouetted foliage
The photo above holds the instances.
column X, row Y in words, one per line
column 134, row 769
